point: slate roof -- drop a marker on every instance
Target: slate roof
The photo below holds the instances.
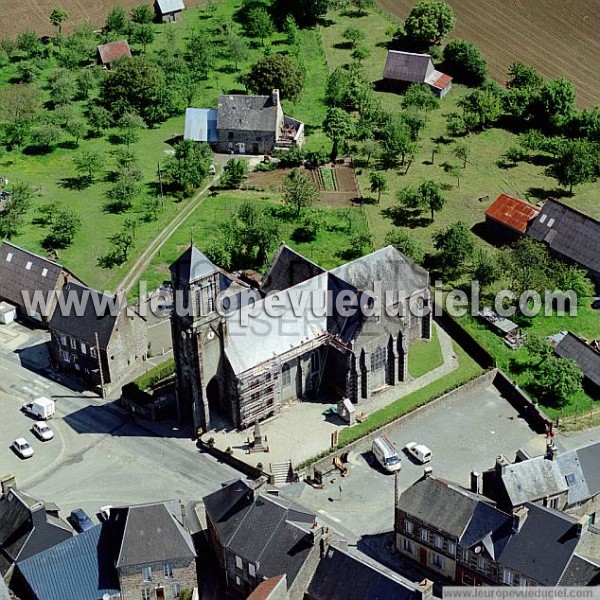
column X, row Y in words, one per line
column 589, row 459
column 340, row 575
column 568, row 232
column 247, row 113
column 407, row 66
column 572, row 346
column 200, row 125
column 490, row 527
column 85, row 324
column 26, row 529
column 192, row 265
column 149, row 533
column 287, row 269
column 77, row 569
column 543, row 547
column 270, row 532
column 512, row 212
column 43, row 274
column 580, row 572
column 170, row 6
column 113, row 50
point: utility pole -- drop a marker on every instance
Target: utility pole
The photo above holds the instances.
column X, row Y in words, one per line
column 101, row 371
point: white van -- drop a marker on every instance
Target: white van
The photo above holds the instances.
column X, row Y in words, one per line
column 386, row 454
column 40, row 408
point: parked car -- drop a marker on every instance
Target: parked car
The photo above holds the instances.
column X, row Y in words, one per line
column 596, row 304
column 42, row 431
column 419, row 451
column 80, row 520
column 22, row 447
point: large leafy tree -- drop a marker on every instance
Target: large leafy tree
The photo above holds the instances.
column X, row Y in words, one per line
column 338, row 127
column 277, row 71
column 189, row 166
column 455, row 245
column 428, row 23
column 88, row 163
column 57, row 17
column 406, row 243
column 378, row 183
column 200, row 53
column 299, row 191
column 116, row 21
column 527, row 265
column 558, row 379
column 234, row 172
column 259, row 24
column 555, row 104
column 12, row 217
column 523, row 76
column 577, row 162
column 481, row 108
column 307, row 13
column 65, row 226
column 464, row 61
column 397, row 142
column 142, row 14
column 420, row 96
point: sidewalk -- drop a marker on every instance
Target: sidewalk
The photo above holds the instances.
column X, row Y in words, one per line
column 301, row 431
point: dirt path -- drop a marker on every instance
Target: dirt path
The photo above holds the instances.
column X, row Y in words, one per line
column 145, row 258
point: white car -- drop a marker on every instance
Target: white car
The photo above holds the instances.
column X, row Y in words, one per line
column 42, row 431
column 421, row 452
column 22, row 448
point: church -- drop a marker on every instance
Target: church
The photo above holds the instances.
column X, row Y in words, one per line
column 302, row 334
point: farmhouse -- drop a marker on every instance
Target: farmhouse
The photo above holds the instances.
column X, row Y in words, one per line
column 108, row 53
column 169, row 10
column 248, row 363
column 570, row 235
column 403, row 68
column 101, row 343
column 244, row 125
column 508, row 217
column 23, row 273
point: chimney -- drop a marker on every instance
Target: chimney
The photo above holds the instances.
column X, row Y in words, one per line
column 427, row 472
column 519, row 518
column 501, row 462
column 275, row 97
column 582, row 525
column 256, row 487
column 396, row 490
column 475, row 484
column 551, row 451
column 8, row 482
column 425, row 588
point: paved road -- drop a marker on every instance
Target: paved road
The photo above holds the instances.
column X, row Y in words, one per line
column 99, row 455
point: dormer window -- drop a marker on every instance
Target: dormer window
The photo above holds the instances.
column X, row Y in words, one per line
column 9, row 257
column 28, row 265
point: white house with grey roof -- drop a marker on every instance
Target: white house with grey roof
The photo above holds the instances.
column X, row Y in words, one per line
column 248, row 361
column 244, row 124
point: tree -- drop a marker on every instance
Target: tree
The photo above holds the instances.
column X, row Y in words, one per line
column 406, row 243
column 359, row 242
column 337, row 88
column 152, row 206
column 486, row 269
column 142, row 14
column 88, row 163
column 338, row 127
column 369, row 148
column 200, row 53
column 555, row 104
column 299, row 190
column 428, row 23
column 63, row 87
column 576, row 163
column 29, row 71
column 98, row 118
column 259, row 24
column 363, row 6
column 120, row 245
column 86, row 82
column 397, row 142
column 307, row 13
column 431, row 196
column 76, row 127
column 568, row 277
column 461, row 151
column 143, row 34
column 237, row 49
column 353, row 35
column 464, row 61
column 481, row 109
column 291, row 29
column 360, row 53
column 116, row 21
column 419, row 95
column 559, row 379
column 129, row 125
column 277, row 72
column 527, row 266
column 57, row 17
column 234, row 172
column 522, row 76
column 29, row 44
column 11, row 218
column 455, row 245
column 435, row 150
column 65, row 226
column 189, row 166
column 378, row 184
column 537, row 347
column 46, row 136
column 122, row 194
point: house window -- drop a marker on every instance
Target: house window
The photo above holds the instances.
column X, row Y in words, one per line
column 146, row 593
column 93, row 352
column 437, row 541
column 315, row 361
column 507, row 577
column 407, row 545
column 451, row 548
column 437, row 561
column 28, row 265
column 238, row 562
column 238, row 581
column 65, row 356
column 73, row 342
column 408, row 526
column 230, row 136
column 553, row 503
column 592, row 519
column 147, row 573
column 9, row 257
column 425, row 535
column 44, row 272
column 83, row 348
column 176, row 590
column 378, row 359
column 481, row 563
column 168, row 570
column 251, row 570
column 285, row 375
column 63, row 340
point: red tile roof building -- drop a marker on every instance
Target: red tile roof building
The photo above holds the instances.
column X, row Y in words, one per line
column 112, row 51
column 513, row 213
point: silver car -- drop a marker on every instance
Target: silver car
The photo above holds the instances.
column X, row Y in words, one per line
column 43, row 431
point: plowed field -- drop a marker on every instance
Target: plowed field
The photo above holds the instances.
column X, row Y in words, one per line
column 559, row 37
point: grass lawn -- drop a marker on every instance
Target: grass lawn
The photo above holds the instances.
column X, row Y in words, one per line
column 424, row 356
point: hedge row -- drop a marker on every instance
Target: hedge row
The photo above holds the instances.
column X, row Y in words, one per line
column 155, row 375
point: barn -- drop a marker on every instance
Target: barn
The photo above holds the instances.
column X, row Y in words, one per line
column 169, row 11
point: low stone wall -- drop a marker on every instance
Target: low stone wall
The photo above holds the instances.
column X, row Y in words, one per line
column 231, row 460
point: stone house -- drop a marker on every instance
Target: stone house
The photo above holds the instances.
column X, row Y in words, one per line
column 403, row 68
column 237, row 356
column 23, row 273
column 154, row 554
column 96, row 337
column 169, row 11
column 244, row 125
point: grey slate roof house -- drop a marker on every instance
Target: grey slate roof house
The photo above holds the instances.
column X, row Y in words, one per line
column 256, row 536
column 404, row 68
column 101, row 343
column 79, row 568
column 26, row 529
column 153, row 552
column 169, row 10
column 588, row 358
column 244, row 125
column 249, row 372
column 570, row 235
column 22, row 271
